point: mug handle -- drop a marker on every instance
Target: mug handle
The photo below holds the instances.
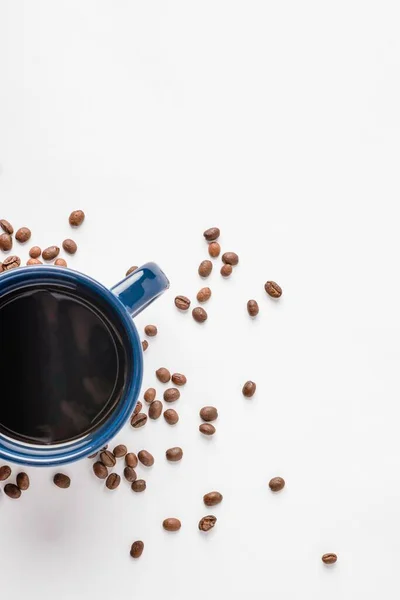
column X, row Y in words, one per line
column 141, row 288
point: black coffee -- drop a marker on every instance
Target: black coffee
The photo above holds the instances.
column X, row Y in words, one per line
column 63, row 364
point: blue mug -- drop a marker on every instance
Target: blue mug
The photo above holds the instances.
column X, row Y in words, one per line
column 125, row 300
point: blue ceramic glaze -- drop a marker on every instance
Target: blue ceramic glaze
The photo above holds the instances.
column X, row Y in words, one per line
column 126, row 299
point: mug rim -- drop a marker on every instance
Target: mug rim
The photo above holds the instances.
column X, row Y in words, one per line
column 70, row 451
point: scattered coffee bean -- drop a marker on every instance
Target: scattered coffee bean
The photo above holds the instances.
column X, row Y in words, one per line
column 209, row 413
column 60, row 262
column 329, row 559
column 207, row 523
column 23, row 481
column 5, row 242
column 35, row 252
column 212, row 498
column 205, row 268
column 107, row 458
column 76, row 218
column 6, row 226
column 249, row 389
column 207, row 429
column 51, row 252
column 100, row 470
column 139, row 485
column 151, row 330
column 5, row 472
column 182, row 302
column 120, row 451
column 199, row 314
column 149, row 395
column 171, row 416
column 230, row 258
column 171, row 524
column 131, row 270
column 113, row 481
column 171, row 395
column 204, row 294
column 214, row 249
column 62, row 481
column 23, row 235
column 226, row 270
column 11, row 262
column 131, row 460
column 252, row 308
column 34, row 261
column 273, row 289
column 12, row 491
column 174, row 454
column 137, row 549
column 146, row 458
column 155, row 409
column 139, row 420
column 69, row 246
column 163, row 375
column 93, row 455
column 212, row 234
column 178, row 379
column 145, row 345
column 277, row 484
column 138, row 408
column 130, row 474
column 1, row 267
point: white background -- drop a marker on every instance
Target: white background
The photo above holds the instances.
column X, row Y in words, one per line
column 279, row 122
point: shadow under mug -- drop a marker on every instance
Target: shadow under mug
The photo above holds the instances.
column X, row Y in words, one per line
column 125, row 300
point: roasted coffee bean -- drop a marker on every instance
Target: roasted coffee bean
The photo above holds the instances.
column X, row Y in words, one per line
column 5, row 472
column 113, row 481
column 171, row 416
column 214, row 249
column 273, row 289
column 130, row 474
column 205, row 268
column 131, row 270
column 60, row 262
column 249, row 389
column 139, row 420
column 23, row 481
column 146, row 458
column 174, row 454
column 137, row 549
column 204, row 294
column 5, row 242
column 120, row 451
column 209, row 413
column 100, row 470
column 207, row 429
column 6, row 226
column 34, row 261
column 145, row 345
column 163, row 375
column 155, row 409
column 138, row 409
column 69, row 246
column 93, row 455
column 230, row 258
column 182, row 302
column 107, row 458
column 171, row 524
column 199, row 314
column 171, row 395
column 329, row 559
column 212, row 234
column 23, row 235
column 51, row 253
column 207, row 523
column 178, row 379
column 76, row 218
column 139, row 485
column 35, row 252
column 149, row 395
column 212, row 498
column 277, row 484
column 226, row 270
column 12, row 491
column 252, row 308
column 150, row 330
column 1, row 267
column 11, row 262
column 131, row 460
column 62, row 481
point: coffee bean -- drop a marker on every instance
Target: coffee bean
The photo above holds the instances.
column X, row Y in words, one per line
column 11, row 262
column 171, row 524
column 60, row 262
column 204, row 294
column 178, row 379
column 277, row 484
column 212, row 234
column 273, row 289
column 214, row 249
column 174, row 454
column 107, row 458
column 146, row 458
column 329, row 559
column 199, row 314
column 150, row 330
column 120, row 451
column 131, row 460
column 34, row 261
column 69, row 246
column 252, row 308
column 249, row 389
column 35, row 252
column 230, row 258
column 145, row 345
column 5, row 472
column 5, row 242
column 207, row 429
column 1, row 267
column 212, row 498
column 100, row 470
column 12, row 491
column 23, row 235
column 139, row 420
column 163, row 375
column 171, row 395
column 182, row 302
column 226, row 270
column 138, row 409
column 23, row 481
column 76, row 218
column 6, row 226
column 171, row 416
column 104, row 447
column 205, row 268
column 149, row 395
column 130, row 474
column 138, row 486
column 62, row 481
column 131, row 270
column 209, row 413
column 93, row 455
column 155, row 409
column 51, row 252
column 113, row 481
column 207, row 523
column 137, row 549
